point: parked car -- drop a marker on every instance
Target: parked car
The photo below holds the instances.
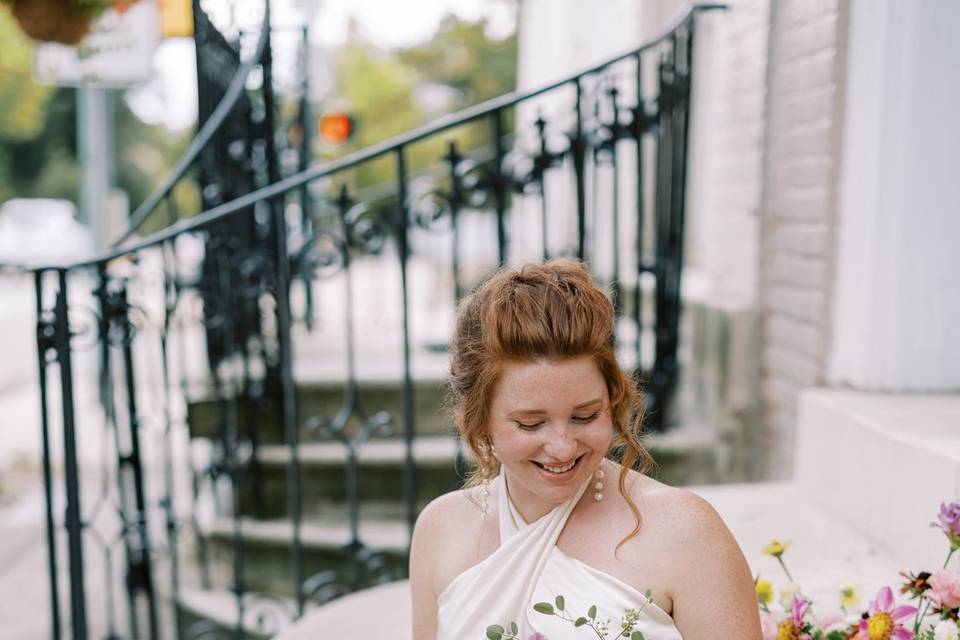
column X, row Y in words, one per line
column 42, row 230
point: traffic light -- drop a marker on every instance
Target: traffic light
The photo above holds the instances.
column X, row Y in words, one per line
column 335, row 127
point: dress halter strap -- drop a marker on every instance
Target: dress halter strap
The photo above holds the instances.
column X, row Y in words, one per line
column 499, row 589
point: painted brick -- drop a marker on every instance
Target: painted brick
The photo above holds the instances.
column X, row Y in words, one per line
column 802, row 204
column 806, row 337
column 811, row 37
column 801, row 239
column 802, row 304
column 804, row 271
column 816, row 138
column 800, row 369
column 806, row 106
column 799, row 74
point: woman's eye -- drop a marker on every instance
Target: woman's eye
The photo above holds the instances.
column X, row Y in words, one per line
column 586, row 419
column 529, row 427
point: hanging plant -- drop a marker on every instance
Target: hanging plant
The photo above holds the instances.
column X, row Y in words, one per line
column 66, row 21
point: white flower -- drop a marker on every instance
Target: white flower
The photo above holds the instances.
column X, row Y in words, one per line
column 786, row 595
column 946, row 630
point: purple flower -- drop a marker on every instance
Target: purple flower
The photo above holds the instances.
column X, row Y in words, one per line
column 949, row 522
column 537, row 636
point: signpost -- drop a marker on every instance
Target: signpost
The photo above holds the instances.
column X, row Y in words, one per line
column 117, row 53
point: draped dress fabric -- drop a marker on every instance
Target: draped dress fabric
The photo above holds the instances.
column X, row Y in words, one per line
column 528, row 568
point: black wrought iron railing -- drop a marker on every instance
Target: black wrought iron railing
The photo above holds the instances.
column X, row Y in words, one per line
column 262, row 372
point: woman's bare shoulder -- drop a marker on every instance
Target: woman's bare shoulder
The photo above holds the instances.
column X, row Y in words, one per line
column 699, row 544
column 446, row 514
column 450, row 536
column 676, row 514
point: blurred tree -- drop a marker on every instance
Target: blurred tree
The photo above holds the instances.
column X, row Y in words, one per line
column 38, row 134
column 387, row 92
column 463, row 57
column 22, row 101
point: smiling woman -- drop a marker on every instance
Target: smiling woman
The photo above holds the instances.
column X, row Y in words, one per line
column 537, row 546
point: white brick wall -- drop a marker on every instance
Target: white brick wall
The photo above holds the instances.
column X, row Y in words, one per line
column 727, row 128
column 798, row 217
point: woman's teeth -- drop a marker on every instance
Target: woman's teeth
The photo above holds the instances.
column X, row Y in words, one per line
column 558, row 469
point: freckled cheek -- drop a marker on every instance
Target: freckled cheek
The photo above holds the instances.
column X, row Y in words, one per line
column 517, row 446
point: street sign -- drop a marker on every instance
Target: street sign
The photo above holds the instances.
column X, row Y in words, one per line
column 118, row 51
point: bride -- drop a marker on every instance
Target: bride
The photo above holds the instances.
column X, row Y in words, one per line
column 553, row 538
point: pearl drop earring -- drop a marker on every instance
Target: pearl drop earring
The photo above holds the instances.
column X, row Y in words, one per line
column 484, row 496
column 598, row 487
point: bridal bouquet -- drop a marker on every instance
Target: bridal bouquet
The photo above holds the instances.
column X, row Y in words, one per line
column 883, row 619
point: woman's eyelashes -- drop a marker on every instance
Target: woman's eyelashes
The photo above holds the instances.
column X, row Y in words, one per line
column 577, row 419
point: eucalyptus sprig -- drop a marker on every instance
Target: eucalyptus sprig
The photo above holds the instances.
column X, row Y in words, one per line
column 602, row 628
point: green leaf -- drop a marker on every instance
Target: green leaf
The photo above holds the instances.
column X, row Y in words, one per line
column 637, row 636
column 544, row 607
column 580, row 622
column 513, row 628
column 559, row 602
column 647, row 594
column 592, row 613
column 495, row 632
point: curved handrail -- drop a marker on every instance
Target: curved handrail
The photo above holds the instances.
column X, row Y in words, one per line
column 203, row 137
column 218, row 213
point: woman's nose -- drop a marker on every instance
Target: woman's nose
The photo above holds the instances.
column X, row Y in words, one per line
column 561, row 445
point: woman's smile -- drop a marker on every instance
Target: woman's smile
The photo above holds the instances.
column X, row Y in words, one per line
column 559, row 472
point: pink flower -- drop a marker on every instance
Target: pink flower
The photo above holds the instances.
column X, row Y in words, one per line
column 769, row 625
column 537, row 636
column 944, row 589
column 949, row 522
column 793, row 626
column 884, row 620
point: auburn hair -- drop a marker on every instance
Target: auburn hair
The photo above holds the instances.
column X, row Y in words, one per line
column 549, row 310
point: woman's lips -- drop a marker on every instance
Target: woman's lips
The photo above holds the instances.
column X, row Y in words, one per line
column 558, row 476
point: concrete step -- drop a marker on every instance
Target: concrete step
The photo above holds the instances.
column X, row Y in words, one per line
column 266, row 547
column 324, row 396
column 380, row 480
column 882, row 463
column 684, row 456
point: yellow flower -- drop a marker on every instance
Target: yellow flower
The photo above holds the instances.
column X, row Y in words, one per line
column 764, row 591
column 849, row 597
column 880, row 626
column 788, row 630
column 776, row 548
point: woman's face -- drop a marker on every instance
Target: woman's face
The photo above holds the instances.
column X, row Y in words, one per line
column 550, row 426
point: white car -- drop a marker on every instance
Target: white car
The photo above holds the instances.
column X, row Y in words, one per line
column 42, row 231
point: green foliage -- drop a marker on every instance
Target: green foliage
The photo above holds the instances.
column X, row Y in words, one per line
column 380, row 87
column 22, row 101
column 462, row 57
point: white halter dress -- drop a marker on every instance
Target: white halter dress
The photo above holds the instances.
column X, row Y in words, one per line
column 528, row 568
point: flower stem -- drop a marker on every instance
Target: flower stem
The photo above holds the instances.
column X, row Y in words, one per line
column 921, row 614
column 785, row 570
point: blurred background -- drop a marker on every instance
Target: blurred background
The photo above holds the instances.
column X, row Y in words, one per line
column 233, row 235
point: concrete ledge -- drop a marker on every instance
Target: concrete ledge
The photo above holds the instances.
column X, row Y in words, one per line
column 882, row 463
